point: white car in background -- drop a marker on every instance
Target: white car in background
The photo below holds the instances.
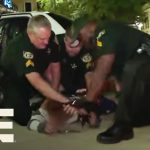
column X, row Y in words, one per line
column 12, row 24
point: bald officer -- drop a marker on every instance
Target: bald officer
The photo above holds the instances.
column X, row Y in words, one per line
column 123, row 52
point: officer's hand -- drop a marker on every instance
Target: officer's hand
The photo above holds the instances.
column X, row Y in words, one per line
column 78, row 101
column 82, row 112
column 70, row 110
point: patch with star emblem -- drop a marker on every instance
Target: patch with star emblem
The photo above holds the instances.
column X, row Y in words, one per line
column 28, row 55
column 73, row 66
column 87, row 58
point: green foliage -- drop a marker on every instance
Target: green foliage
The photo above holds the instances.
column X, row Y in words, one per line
column 69, row 8
column 124, row 10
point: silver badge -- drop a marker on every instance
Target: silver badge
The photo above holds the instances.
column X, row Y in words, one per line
column 28, row 55
column 87, row 58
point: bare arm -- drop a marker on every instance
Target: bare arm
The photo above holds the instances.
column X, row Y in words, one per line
column 99, row 75
column 44, row 88
column 53, row 75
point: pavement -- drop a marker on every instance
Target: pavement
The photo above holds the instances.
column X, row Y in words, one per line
column 83, row 140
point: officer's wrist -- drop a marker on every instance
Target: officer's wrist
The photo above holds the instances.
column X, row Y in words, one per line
column 89, row 99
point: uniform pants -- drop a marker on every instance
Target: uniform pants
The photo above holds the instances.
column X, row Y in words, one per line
column 16, row 98
column 134, row 103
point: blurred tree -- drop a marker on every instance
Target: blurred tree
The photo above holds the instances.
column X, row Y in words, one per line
column 69, row 8
column 123, row 10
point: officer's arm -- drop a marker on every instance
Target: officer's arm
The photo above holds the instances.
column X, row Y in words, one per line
column 53, row 74
column 44, row 88
column 103, row 66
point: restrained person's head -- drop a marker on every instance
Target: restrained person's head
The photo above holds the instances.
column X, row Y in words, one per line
column 39, row 31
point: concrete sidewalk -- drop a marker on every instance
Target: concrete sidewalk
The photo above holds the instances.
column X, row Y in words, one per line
column 85, row 140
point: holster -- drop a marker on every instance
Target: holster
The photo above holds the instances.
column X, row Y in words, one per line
column 145, row 46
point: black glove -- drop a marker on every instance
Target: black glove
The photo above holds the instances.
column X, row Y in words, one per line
column 82, row 102
column 77, row 101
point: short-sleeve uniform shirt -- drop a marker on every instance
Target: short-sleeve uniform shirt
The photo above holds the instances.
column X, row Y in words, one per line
column 119, row 39
column 73, row 69
column 22, row 57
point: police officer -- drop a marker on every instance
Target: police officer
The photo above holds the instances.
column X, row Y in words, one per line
column 24, row 62
column 75, row 63
column 76, row 66
column 123, row 52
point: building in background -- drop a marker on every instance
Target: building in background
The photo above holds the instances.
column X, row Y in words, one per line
column 26, row 5
column 17, row 5
column 146, row 23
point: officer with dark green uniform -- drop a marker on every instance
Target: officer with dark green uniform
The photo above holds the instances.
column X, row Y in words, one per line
column 124, row 52
column 74, row 68
column 76, row 65
column 24, row 62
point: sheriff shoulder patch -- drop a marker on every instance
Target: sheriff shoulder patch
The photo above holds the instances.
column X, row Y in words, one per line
column 99, row 43
column 101, row 34
column 28, row 55
column 29, row 63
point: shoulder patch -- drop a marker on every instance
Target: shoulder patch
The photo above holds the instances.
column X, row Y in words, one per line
column 99, row 43
column 101, row 33
column 29, row 63
column 28, row 55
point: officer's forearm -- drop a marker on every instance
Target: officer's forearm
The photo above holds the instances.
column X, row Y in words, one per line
column 94, row 85
column 103, row 67
column 55, row 70
column 95, row 88
column 44, row 88
column 53, row 75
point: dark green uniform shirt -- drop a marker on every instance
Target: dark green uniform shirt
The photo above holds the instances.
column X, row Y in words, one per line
column 74, row 69
column 22, row 57
column 119, row 39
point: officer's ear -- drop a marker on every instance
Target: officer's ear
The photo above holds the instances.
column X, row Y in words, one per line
column 64, row 38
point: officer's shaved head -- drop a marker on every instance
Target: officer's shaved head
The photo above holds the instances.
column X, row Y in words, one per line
column 36, row 22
